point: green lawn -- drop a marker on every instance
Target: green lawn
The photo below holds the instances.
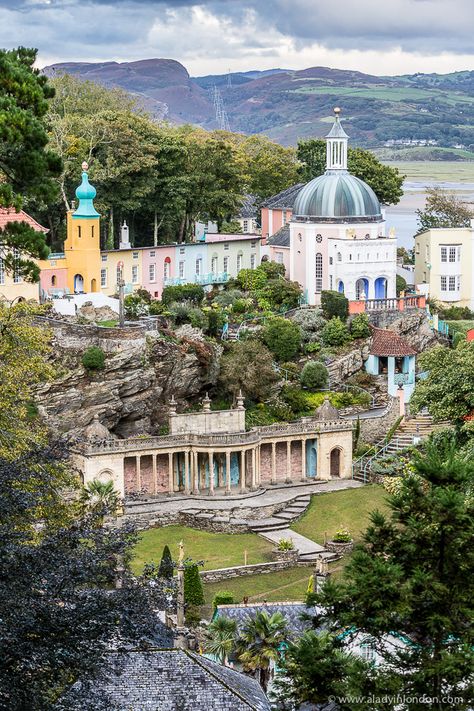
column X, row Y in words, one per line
column 452, row 171
column 108, row 324
column 217, row 550
column 336, row 509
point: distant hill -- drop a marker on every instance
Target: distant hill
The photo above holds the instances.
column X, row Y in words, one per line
column 398, row 113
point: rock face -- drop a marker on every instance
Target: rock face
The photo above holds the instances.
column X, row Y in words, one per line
column 131, row 394
column 345, row 366
column 412, row 325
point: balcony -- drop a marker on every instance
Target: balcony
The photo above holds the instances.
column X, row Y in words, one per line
column 404, row 378
column 174, row 281
column 211, row 278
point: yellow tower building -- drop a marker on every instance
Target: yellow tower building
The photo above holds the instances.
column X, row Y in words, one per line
column 82, row 245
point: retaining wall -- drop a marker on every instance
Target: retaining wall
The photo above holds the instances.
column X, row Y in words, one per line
column 215, row 576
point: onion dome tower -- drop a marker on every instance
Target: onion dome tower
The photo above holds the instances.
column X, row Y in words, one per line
column 85, row 193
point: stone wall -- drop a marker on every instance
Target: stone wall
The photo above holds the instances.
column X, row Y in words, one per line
column 373, row 429
column 215, row 576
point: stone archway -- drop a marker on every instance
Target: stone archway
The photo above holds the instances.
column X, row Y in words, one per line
column 335, row 463
column 78, row 283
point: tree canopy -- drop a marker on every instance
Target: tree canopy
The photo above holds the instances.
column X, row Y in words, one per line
column 27, row 166
column 385, row 181
column 443, row 209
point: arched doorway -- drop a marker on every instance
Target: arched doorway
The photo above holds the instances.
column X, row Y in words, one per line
column 53, row 280
column 340, row 287
column 362, row 289
column 93, row 285
column 381, row 288
column 335, row 462
column 78, row 283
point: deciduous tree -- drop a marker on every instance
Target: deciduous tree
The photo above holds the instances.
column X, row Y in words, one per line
column 443, row 209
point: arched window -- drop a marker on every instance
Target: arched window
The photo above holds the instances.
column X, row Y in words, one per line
column 166, row 268
column 319, row 273
column 119, row 272
column 53, row 280
column 214, row 264
column 339, row 257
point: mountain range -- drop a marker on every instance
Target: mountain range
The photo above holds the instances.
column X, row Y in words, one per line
column 416, row 112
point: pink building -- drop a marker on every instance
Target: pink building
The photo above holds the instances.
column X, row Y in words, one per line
column 158, row 264
column 279, row 248
column 277, row 210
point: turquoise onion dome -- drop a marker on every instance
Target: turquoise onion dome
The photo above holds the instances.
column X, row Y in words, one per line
column 85, row 193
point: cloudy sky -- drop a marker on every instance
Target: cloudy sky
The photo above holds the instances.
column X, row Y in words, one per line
column 374, row 36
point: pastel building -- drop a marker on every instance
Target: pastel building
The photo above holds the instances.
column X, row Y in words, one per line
column 337, row 233
column 84, row 268
column 278, row 209
column 12, row 286
column 444, row 264
column 393, row 357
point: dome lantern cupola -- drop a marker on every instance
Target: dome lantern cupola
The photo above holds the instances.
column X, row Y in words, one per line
column 336, row 145
column 85, row 193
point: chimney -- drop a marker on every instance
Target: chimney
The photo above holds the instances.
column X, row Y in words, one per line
column 124, row 236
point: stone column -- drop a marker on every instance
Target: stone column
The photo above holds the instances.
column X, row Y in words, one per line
column 242, row 471
column 187, row 473
column 288, row 462
column 196, row 473
column 253, row 485
column 170, row 473
column 227, row 472
column 155, row 473
column 211, row 473
column 139, row 473
column 274, row 474
column 303, row 459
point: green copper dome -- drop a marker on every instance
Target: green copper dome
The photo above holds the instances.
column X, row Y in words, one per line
column 85, row 193
column 337, row 195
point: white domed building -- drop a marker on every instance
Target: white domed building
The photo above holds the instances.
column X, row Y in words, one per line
column 337, row 233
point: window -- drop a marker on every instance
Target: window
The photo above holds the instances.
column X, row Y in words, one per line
column 214, row 265
column 319, row 238
column 443, row 283
column 16, row 267
column 358, row 256
column 246, row 226
column 285, row 217
column 350, row 257
column 181, row 270
column 417, row 248
column 319, row 273
column 198, row 266
column 103, row 277
column 152, row 253
column 452, row 254
column 53, row 280
column 279, row 257
column 135, row 274
column 92, row 231
column 119, row 272
column 458, row 284
column 339, row 257
column 104, row 257
column 79, row 231
column 444, row 254
column 253, row 243
column 459, row 254
column 135, row 255
column 226, row 264
column 252, row 261
column 330, row 260
column 2, row 271
column 166, row 268
column 226, row 246
column 330, row 282
column 152, row 272
column 181, row 250
column 367, row 652
column 452, row 283
column 239, row 262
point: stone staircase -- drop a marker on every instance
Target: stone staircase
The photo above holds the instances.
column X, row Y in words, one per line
column 283, row 518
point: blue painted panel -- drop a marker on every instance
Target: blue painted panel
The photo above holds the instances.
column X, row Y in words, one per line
column 234, row 468
column 381, row 288
column 311, row 458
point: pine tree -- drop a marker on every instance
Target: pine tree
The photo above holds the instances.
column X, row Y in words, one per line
column 166, row 564
column 193, row 592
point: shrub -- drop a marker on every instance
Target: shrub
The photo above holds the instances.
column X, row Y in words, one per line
column 342, row 536
column 251, row 279
column 292, row 370
column 166, row 564
column 247, row 365
column 185, row 292
column 283, row 338
column 240, row 306
column 272, row 270
column 228, row 296
column 360, row 327
column 335, row 333
column 185, row 313
column 334, row 304
column 400, row 284
column 144, row 294
column 93, row 358
column 215, row 321
column 314, row 375
column 134, row 306
column 281, row 292
column 193, row 592
column 296, row 399
column 285, row 544
column 312, row 347
column 222, row 598
column 455, row 313
column 311, row 322
column 155, row 308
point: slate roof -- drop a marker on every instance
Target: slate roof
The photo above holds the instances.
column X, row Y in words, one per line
column 9, row 215
column 389, row 343
column 280, row 238
column 173, row 680
column 291, row 611
column 285, row 199
column 248, row 207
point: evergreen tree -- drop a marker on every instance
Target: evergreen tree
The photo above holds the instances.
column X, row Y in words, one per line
column 193, row 592
column 412, row 579
column 166, row 564
column 26, row 167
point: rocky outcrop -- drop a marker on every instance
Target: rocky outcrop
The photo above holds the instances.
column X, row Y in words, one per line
column 412, row 325
column 348, row 364
column 143, row 370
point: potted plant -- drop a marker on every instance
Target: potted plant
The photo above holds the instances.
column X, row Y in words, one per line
column 286, row 550
column 341, row 542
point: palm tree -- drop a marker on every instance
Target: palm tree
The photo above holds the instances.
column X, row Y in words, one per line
column 258, row 643
column 221, row 638
column 100, row 497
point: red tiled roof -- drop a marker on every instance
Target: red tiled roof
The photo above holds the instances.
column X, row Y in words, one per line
column 389, row 343
column 8, row 214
